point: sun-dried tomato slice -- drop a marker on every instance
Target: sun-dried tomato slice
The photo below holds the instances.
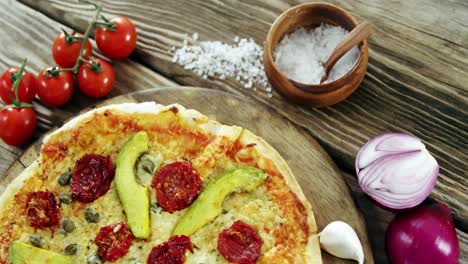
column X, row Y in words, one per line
column 113, row 241
column 177, row 185
column 92, row 177
column 240, row 244
column 42, row 209
column 172, row 251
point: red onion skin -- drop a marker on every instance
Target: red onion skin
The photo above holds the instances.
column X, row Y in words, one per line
column 425, row 235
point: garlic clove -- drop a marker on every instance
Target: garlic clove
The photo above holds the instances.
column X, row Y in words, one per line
column 339, row 239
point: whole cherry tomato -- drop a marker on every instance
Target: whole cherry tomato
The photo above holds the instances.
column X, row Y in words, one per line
column 66, row 50
column 17, row 125
column 96, row 80
column 26, row 89
column 55, row 87
column 118, row 41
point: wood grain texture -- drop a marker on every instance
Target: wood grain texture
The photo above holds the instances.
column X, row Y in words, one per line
column 28, row 33
column 415, row 81
column 315, row 171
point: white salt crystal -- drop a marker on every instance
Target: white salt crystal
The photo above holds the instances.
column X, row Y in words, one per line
column 195, row 36
column 242, row 61
column 300, row 54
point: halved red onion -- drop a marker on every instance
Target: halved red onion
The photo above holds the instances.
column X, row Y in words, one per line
column 396, row 170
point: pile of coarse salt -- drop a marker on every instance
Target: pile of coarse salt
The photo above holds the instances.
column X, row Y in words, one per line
column 242, row 61
column 300, row 54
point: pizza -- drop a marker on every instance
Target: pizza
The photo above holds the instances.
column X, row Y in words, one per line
column 147, row 183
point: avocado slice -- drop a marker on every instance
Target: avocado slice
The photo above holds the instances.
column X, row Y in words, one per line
column 134, row 196
column 209, row 204
column 22, row 253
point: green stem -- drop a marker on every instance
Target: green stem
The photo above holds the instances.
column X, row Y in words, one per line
column 16, row 101
column 69, row 38
column 87, row 61
column 18, row 80
column 66, row 69
column 109, row 25
column 53, row 72
column 85, row 38
column 105, row 19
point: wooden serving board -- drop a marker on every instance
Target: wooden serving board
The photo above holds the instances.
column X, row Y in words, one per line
column 317, row 174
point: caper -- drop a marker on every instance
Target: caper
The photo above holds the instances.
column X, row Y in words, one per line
column 65, row 178
column 35, row 240
column 146, row 164
column 94, row 259
column 65, row 198
column 71, row 249
column 144, row 169
column 91, row 217
column 68, row 225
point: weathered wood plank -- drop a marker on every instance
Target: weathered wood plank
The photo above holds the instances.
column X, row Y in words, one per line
column 8, row 155
column 28, row 33
column 415, row 82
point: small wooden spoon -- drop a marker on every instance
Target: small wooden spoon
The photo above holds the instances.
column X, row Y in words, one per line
column 358, row 34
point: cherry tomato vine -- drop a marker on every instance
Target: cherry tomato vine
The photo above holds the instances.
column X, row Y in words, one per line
column 84, row 39
column 54, row 85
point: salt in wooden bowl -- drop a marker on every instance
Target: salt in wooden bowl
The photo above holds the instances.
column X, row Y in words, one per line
column 311, row 15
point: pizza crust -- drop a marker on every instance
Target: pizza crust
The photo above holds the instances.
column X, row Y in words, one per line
column 313, row 247
column 17, row 184
column 147, row 107
column 190, row 115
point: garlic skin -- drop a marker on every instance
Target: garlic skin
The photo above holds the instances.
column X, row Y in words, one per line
column 339, row 239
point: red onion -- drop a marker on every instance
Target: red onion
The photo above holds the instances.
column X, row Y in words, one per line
column 396, row 170
column 423, row 235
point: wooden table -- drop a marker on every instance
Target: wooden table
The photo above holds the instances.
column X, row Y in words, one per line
column 416, row 80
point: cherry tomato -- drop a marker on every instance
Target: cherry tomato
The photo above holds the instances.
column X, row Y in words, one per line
column 117, row 43
column 42, row 209
column 240, row 243
column 26, row 89
column 17, row 125
column 66, row 53
column 92, row 177
column 177, row 185
column 96, row 81
column 113, row 241
column 54, row 88
column 171, row 251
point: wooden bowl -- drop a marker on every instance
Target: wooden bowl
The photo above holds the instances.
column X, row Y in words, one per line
column 311, row 15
